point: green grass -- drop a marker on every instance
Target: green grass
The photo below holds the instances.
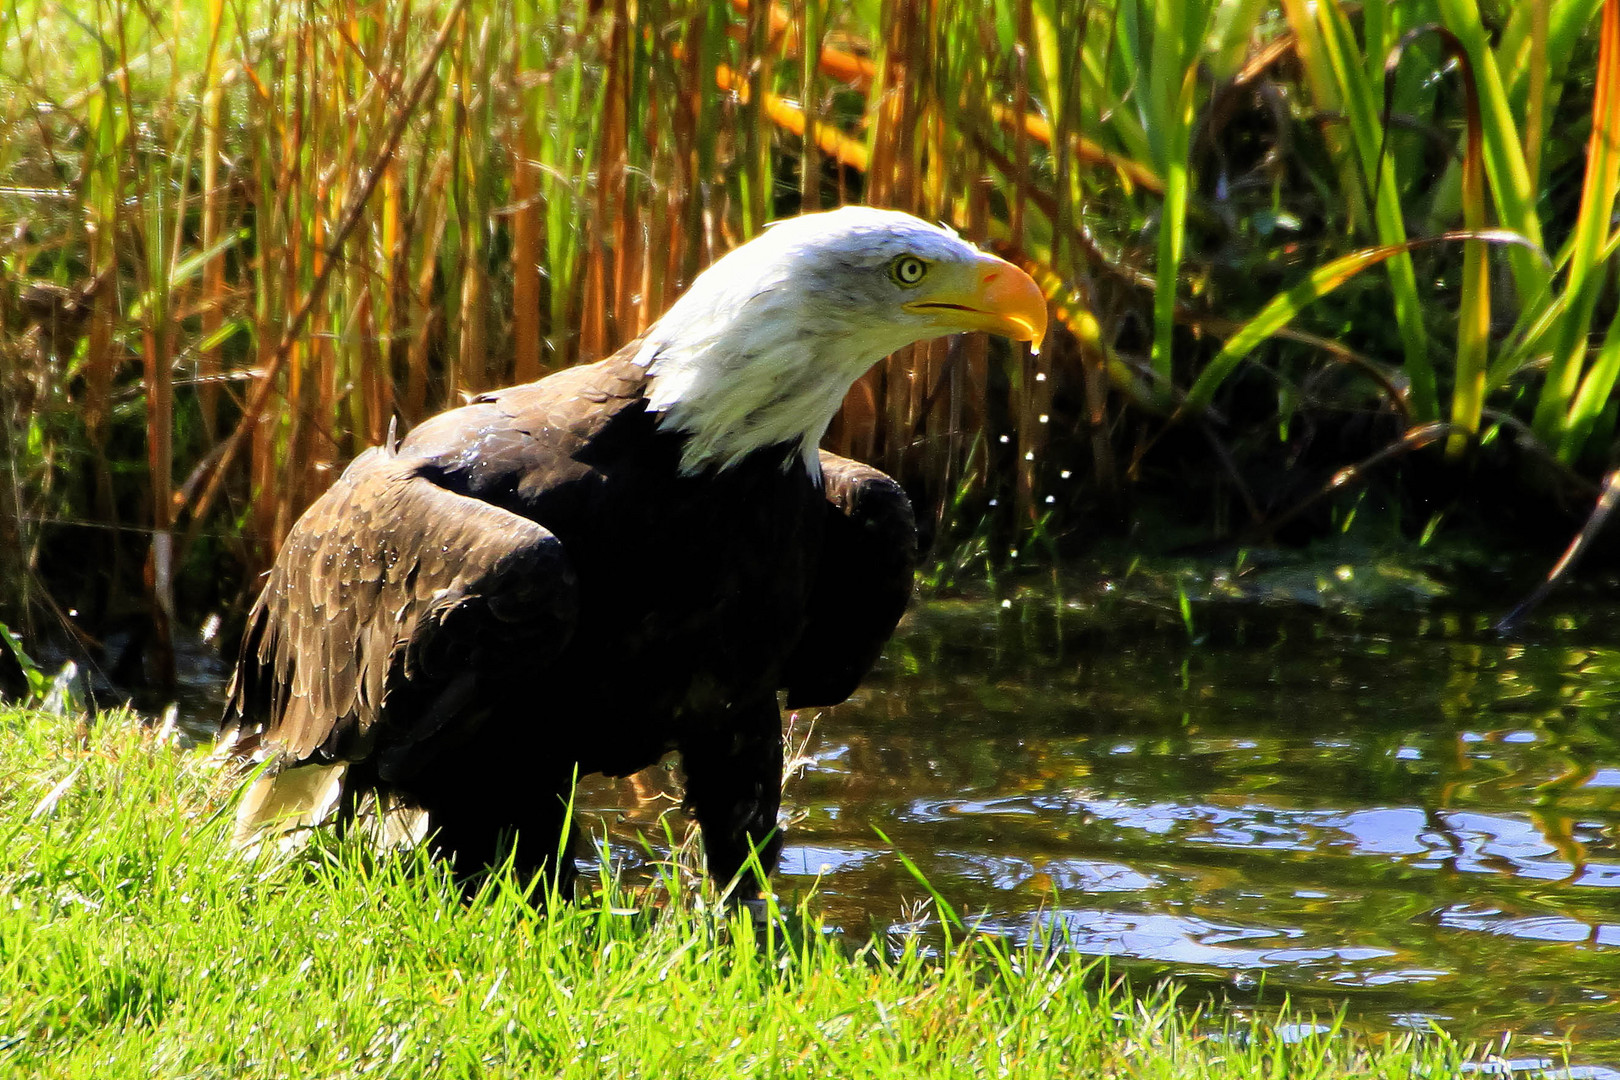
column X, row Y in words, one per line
column 134, row 943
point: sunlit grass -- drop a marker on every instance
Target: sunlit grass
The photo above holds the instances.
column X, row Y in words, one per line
column 133, row 942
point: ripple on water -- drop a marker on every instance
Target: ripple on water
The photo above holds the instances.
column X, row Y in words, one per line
column 1182, row 940
column 1534, row 927
column 810, row 860
column 1054, row 875
column 1498, row 844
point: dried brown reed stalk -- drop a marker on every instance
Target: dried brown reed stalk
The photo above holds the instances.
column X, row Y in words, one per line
column 287, row 345
column 398, row 213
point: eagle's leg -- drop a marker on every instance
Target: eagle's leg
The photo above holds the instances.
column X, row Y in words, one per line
column 734, row 789
column 521, row 819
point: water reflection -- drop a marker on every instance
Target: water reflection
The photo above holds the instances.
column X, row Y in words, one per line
column 1393, row 809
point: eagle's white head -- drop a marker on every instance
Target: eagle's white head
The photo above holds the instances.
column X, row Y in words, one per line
column 761, row 350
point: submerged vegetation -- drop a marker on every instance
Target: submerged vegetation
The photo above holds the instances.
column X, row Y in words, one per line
column 137, row 944
column 240, row 238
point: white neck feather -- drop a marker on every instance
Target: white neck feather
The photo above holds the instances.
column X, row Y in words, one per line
column 736, row 381
column 729, row 415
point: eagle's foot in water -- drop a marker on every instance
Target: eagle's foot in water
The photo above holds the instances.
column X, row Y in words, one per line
column 734, row 789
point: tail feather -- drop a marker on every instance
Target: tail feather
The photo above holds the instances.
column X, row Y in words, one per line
column 280, row 807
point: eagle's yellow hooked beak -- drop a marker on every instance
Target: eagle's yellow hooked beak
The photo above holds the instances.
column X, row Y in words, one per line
column 987, row 294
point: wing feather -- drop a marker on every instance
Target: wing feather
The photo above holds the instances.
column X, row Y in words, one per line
column 395, row 606
column 863, row 583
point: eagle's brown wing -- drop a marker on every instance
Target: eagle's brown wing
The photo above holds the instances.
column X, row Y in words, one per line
column 862, row 586
column 396, row 617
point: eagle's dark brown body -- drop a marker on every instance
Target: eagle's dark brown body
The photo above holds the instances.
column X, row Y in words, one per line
column 528, row 587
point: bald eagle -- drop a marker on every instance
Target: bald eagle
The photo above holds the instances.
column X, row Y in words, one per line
column 621, row 560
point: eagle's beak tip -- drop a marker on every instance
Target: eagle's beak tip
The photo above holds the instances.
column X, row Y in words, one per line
column 1015, row 299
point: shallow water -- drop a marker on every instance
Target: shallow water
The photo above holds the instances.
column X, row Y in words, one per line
column 1390, row 809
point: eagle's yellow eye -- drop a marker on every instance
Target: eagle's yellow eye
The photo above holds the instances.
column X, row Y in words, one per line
column 907, row 270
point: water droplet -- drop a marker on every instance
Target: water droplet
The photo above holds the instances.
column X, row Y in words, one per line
column 1065, row 474
column 1040, row 376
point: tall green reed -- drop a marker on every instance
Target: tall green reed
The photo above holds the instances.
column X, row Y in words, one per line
column 317, row 216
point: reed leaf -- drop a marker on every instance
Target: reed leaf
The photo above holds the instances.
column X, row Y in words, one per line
column 1505, row 165
column 1357, row 89
column 1474, row 299
column 1284, row 307
column 1561, row 416
column 1528, row 341
column 1179, row 27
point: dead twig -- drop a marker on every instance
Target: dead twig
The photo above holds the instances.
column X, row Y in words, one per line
column 1583, row 539
column 1350, row 475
